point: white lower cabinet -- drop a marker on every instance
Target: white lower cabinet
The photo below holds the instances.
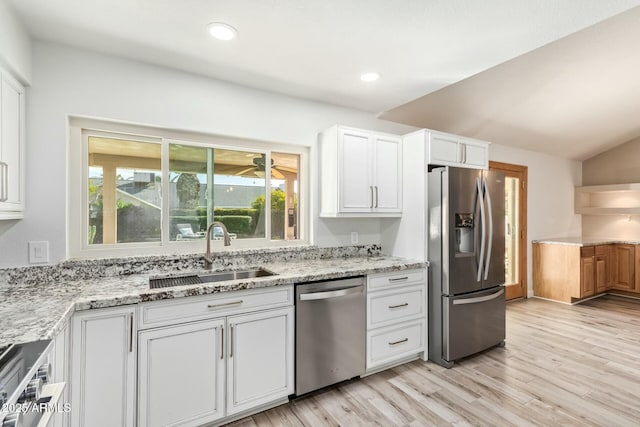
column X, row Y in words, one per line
column 60, row 373
column 103, row 367
column 181, row 374
column 197, row 373
column 396, row 317
column 260, row 359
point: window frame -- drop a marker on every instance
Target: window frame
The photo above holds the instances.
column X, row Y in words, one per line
column 80, row 129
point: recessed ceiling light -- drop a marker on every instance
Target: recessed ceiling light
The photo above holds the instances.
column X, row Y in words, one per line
column 222, row 31
column 369, row 77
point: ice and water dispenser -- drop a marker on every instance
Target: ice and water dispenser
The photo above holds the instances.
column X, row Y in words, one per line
column 464, row 234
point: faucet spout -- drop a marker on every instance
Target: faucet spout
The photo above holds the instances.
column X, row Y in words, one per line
column 208, row 261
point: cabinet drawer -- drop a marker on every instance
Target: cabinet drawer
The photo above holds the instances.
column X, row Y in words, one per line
column 396, row 278
column 587, row 251
column 385, row 308
column 601, row 250
column 167, row 312
column 386, row 345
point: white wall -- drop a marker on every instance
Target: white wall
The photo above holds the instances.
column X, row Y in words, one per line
column 550, row 201
column 15, row 44
column 550, row 194
column 68, row 81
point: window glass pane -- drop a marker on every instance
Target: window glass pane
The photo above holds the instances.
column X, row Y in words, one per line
column 239, row 192
column 512, row 230
column 284, row 196
column 209, row 184
column 124, row 191
column 188, row 191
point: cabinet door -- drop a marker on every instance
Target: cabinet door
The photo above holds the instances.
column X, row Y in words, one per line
column 624, row 267
column 601, row 274
column 181, row 374
column 12, row 144
column 388, row 174
column 60, row 373
column 587, row 276
column 355, row 165
column 259, row 359
column 475, row 156
column 103, row 368
column 444, row 150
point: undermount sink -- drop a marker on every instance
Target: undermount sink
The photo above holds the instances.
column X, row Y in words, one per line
column 220, row 276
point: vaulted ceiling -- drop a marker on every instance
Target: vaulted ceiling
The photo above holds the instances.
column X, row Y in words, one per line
column 574, row 98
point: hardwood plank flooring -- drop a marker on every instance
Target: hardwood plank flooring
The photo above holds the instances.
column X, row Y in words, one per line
column 562, row 365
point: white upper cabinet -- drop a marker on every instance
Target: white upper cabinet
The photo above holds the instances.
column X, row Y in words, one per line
column 452, row 150
column 361, row 173
column 12, row 151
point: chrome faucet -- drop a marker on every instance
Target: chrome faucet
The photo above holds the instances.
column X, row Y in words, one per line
column 208, row 261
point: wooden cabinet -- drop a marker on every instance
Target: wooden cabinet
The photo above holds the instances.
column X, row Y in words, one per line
column 452, row 150
column 602, row 268
column 396, row 307
column 103, row 365
column 569, row 273
column 226, row 365
column 624, row 268
column 587, row 276
column 12, row 147
column 603, row 277
column 361, row 173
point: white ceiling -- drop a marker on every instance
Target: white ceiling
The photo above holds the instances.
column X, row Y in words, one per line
column 316, row 49
column 573, row 98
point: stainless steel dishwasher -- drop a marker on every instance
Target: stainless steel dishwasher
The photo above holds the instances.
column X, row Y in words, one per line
column 330, row 333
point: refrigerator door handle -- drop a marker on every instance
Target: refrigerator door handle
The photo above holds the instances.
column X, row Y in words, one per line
column 478, row 299
column 490, row 217
column 484, row 232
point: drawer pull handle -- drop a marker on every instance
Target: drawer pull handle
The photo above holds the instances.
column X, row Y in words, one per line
column 399, row 342
column 399, row 305
column 397, row 279
column 221, row 342
column 225, row 304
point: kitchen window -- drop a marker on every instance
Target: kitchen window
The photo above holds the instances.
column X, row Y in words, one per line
column 142, row 195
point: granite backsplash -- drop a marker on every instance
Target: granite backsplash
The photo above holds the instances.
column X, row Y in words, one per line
column 163, row 264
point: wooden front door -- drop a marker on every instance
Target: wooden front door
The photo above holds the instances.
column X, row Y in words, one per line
column 516, row 228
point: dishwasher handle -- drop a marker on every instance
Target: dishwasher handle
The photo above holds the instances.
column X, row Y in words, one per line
column 337, row 293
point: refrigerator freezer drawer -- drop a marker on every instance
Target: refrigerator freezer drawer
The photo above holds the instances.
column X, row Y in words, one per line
column 473, row 322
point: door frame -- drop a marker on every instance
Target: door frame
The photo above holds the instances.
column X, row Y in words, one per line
column 521, row 172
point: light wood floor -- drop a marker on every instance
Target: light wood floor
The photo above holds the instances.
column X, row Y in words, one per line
column 562, row 365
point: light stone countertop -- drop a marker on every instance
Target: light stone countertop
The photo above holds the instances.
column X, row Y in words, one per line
column 36, row 311
column 586, row 241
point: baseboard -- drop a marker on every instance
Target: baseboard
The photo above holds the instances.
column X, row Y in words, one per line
column 247, row 413
column 391, row 365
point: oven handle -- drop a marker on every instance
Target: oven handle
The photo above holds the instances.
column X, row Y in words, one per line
column 311, row 296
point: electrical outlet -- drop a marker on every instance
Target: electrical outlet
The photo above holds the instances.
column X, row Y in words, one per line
column 354, row 237
column 38, row 252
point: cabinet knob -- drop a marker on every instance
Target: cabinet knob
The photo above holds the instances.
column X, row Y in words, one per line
column 44, row 373
column 32, row 391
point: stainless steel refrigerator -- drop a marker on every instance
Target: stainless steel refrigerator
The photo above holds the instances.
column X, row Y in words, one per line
column 466, row 256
